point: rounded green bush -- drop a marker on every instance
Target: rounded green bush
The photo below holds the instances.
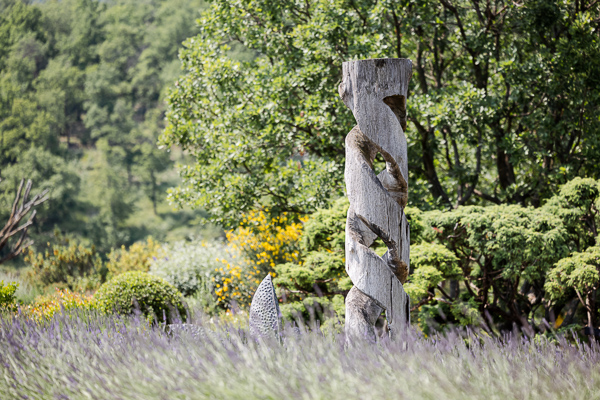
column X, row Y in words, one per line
column 153, row 296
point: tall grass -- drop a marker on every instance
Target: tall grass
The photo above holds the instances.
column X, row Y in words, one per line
column 89, row 356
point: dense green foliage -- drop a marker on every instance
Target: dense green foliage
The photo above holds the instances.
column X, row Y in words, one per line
column 82, row 83
column 496, row 266
column 504, row 253
column 66, row 264
column 577, row 206
column 432, row 264
column 579, row 273
column 127, row 293
column 317, row 284
column 320, row 276
column 269, row 131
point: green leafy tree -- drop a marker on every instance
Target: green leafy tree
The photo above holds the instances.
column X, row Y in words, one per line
column 504, row 254
column 269, row 131
column 513, row 260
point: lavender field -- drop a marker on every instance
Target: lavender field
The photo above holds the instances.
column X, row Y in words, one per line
column 96, row 357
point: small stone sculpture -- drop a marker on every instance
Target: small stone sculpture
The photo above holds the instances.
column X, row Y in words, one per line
column 375, row 90
column 264, row 310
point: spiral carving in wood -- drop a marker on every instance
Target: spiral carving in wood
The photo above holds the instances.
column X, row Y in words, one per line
column 375, row 90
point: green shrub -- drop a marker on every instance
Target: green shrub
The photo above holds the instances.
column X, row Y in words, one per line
column 66, row 265
column 319, row 274
column 151, row 295
column 431, row 264
column 136, row 258
column 7, row 296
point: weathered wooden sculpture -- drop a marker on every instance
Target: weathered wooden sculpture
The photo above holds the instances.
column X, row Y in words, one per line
column 264, row 310
column 375, row 90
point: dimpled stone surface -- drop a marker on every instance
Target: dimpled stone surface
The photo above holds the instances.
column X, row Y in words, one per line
column 264, row 310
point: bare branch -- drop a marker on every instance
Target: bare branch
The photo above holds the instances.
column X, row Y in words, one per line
column 20, row 209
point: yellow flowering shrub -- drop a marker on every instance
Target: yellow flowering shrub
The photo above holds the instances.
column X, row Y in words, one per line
column 45, row 307
column 234, row 283
column 257, row 246
column 136, row 258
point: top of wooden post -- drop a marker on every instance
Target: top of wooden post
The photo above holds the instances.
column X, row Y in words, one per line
column 375, row 90
column 375, row 77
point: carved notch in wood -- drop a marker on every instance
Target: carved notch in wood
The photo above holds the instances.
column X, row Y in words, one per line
column 375, row 90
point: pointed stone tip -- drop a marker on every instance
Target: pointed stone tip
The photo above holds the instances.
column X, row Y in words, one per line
column 265, row 282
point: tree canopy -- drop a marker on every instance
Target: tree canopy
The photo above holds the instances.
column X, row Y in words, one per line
column 501, row 108
column 82, row 84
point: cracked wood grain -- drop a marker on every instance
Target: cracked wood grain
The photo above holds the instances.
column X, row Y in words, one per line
column 375, row 90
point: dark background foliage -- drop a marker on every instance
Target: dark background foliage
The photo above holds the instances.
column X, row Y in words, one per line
column 82, row 86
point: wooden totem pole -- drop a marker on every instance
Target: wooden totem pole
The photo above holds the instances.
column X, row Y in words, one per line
column 375, row 90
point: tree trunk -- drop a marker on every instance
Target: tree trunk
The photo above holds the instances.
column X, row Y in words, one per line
column 591, row 315
column 153, row 196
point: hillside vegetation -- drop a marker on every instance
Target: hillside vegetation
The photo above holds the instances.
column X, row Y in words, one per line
column 82, row 85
